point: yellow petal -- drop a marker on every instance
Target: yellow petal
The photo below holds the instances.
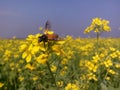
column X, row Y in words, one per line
column 24, row 55
column 28, row 58
column 1, row 84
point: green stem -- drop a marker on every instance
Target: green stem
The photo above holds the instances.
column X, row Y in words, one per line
column 48, row 65
column 58, row 68
column 97, row 42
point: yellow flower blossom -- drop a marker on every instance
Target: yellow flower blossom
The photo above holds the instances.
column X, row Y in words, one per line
column 53, row 68
column 57, row 49
column 12, row 66
column 91, row 66
column 83, row 77
column 27, row 55
column 1, row 84
column 7, row 53
column 16, row 55
column 30, row 67
column 35, row 78
column 92, row 76
column 23, row 47
column 19, row 70
column 117, row 65
column 97, row 21
column 98, row 25
column 111, row 71
column 48, row 32
column 105, row 22
column 28, row 58
column 108, row 63
column 42, row 58
column 113, row 55
column 62, row 72
column 102, row 55
column 71, row 86
column 35, row 49
column 107, row 78
column 61, row 42
column 106, row 28
column 21, row 61
column 21, row 78
column 60, row 83
column 24, row 55
column 96, row 58
column 30, row 38
column 64, row 61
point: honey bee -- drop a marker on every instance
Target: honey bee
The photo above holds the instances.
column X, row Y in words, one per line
column 46, row 37
column 48, row 34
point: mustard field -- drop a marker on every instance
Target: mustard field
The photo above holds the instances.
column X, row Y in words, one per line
column 46, row 62
column 69, row 64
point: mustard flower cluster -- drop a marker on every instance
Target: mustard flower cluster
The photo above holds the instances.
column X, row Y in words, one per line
column 98, row 25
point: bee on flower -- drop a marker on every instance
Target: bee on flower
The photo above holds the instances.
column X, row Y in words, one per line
column 48, row 34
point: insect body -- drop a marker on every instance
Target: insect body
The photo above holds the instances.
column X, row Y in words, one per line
column 46, row 37
column 43, row 38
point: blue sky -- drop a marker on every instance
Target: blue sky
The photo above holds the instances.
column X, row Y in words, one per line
column 67, row 17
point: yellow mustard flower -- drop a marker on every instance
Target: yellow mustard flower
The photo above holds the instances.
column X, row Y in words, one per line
column 108, row 63
column 60, row 42
column 48, row 32
column 71, row 86
column 1, row 84
column 105, row 22
column 107, row 78
column 21, row 61
column 21, row 78
column 98, row 25
column 42, row 58
column 60, row 83
column 83, row 77
column 35, row 78
column 57, row 49
column 29, row 66
column 64, row 61
column 23, row 47
column 12, row 66
column 96, row 58
column 113, row 55
column 106, row 28
column 19, row 70
column 111, row 71
column 92, row 76
column 97, row 21
column 30, row 37
column 102, row 55
column 7, row 53
column 53, row 68
column 117, row 65
column 27, row 55
column 35, row 49
column 62, row 72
